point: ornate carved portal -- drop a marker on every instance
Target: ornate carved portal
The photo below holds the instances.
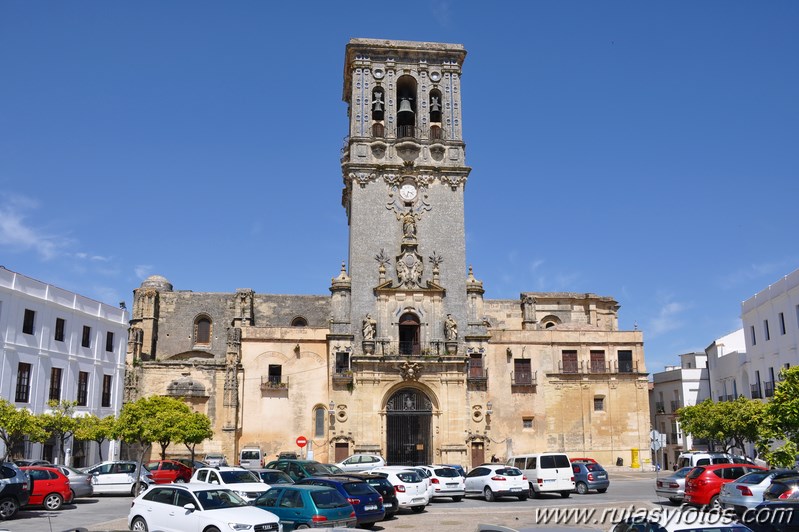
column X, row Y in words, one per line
column 409, row 419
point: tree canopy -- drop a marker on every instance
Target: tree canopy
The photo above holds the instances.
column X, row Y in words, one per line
column 16, row 423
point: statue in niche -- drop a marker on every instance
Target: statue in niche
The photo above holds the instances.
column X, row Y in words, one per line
column 409, row 225
column 369, row 327
column 450, row 328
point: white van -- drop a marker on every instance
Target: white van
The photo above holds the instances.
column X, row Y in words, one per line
column 545, row 472
column 251, row 458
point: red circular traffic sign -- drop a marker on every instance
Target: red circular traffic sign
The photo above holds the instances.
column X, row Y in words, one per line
column 302, row 441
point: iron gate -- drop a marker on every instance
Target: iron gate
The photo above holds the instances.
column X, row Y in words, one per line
column 409, row 415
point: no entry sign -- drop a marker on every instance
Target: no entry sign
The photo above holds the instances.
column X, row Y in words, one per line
column 302, row 441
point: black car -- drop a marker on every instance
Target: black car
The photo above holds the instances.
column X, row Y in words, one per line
column 15, row 488
column 773, row 516
column 382, row 486
column 782, row 488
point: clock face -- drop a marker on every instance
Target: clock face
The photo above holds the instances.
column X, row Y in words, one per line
column 407, row 192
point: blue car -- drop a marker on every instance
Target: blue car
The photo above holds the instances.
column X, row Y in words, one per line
column 307, row 507
column 367, row 502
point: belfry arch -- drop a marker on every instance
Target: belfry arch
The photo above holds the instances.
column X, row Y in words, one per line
column 409, row 427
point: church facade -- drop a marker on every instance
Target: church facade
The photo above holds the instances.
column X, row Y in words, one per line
column 404, row 357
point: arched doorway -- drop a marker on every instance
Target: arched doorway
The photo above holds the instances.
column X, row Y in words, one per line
column 409, row 334
column 409, row 418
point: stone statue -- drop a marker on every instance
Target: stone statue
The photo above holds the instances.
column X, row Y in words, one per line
column 369, row 327
column 408, row 225
column 450, row 328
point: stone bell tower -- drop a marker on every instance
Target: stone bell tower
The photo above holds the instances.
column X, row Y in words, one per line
column 404, row 176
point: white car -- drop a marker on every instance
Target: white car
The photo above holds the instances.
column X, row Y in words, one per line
column 497, row 480
column 195, row 507
column 118, row 477
column 446, row 482
column 425, row 474
column 361, row 462
column 244, row 482
column 408, row 485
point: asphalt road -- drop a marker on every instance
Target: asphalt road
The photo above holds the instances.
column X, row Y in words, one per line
column 628, row 491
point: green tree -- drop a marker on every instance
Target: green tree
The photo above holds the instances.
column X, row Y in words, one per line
column 195, row 428
column 781, row 421
column 60, row 423
column 701, row 421
column 730, row 424
column 154, row 419
column 16, row 424
column 93, row 428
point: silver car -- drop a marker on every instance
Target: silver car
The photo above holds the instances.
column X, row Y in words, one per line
column 673, row 486
column 747, row 491
column 80, row 483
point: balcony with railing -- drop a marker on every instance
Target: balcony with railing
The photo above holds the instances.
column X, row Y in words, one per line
column 768, row 388
column 660, row 407
column 477, row 378
column 412, row 349
column 595, row 367
column 342, row 376
column 675, row 405
column 673, row 438
column 755, row 388
column 273, row 383
column 599, row 366
column 523, row 380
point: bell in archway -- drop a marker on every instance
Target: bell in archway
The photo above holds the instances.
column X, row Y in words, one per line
column 405, row 107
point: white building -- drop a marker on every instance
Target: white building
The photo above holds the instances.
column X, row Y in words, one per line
column 728, row 366
column 771, row 327
column 677, row 386
column 58, row 345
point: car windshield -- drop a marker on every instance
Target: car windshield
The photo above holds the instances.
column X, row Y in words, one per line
column 509, row 472
column 238, row 476
column 695, row 472
column 275, row 477
column 594, row 467
column 328, row 499
column 218, row 499
column 358, row 488
column 409, row 476
column 755, row 477
column 447, row 472
column 316, row 469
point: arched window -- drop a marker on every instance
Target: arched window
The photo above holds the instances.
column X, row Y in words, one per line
column 319, row 422
column 406, row 110
column 409, row 334
column 436, row 114
column 202, row 330
column 299, row 321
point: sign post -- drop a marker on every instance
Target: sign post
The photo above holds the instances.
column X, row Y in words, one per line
column 301, row 441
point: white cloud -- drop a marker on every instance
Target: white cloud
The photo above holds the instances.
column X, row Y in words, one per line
column 143, row 271
column 667, row 319
column 17, row 234
column 772, row 270
column 442, row 12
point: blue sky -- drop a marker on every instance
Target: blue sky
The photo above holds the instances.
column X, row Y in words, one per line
column 647, row 151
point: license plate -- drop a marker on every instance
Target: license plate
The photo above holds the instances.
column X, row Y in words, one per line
column 516, row 489
column 369, row 507
column 549, row 480
column 452, row 484
column 418, row 499
column 388, row 505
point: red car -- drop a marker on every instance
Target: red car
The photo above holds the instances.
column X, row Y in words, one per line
column 166, row 471
column 703, row 483
column 50, row 487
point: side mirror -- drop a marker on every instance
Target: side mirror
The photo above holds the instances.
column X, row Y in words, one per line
column 214, row 481
column 189, row 507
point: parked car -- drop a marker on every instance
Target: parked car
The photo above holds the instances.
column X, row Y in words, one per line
column 703, row 483
column 367, row 503
column 773, row 516
column 497, row 480
column 747, row 491
column 299, row 469
column 361, row 462
column 119, row 477
column 409, row 487
column 251, row 457
column 545, row 472
column 273, row 477
column 589, row 476
column 194, row 465
column 333, row 469
column 166, row 471
column 382, row 486
column 244, row 482
column 215, row 459
column 587, row 460
column 14, row 489
column 80, row 483
column 50, row 487
column 782, row 489
column 25, row 462
column 201, row 507
column 299, row 506
column 424, row 473
column 699, row 458
column 446, row 482
column 456, row 467
column 673, row 486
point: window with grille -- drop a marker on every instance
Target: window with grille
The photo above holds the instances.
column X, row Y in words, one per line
column 275, row 373
column 60, row 325
column 625, row 361
column 319, row 422
column 202, row 331
column 86, row 338
column 106, row 399
column 597, row 361
column 83, row 388
column 23, row 383
column 55, row 384
column 522, row 371
column 569, row 361
column 27, row 322
column 599, row 403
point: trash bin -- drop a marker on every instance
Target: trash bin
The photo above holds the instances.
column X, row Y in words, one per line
column 619, row 461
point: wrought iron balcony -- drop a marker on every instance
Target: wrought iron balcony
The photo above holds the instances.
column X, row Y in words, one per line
column 412, row 349
column 755, row 388
column 477, row 378
column 274, row 383
column 675, row 405
column 768, row 388
column 660, row 408
column 524, row 378
column 342, row 376
column 598, row 366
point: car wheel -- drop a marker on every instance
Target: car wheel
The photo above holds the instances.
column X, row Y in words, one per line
column 74, row 495
column 582, row 489
column 523, row 497
column 714, row 504
column 139, row 524
column 300, row 527
column 212, row 529
column 53, row 502
column 601, row 490
column 457, row 499
column 565, row 494
column 417, row 509
column 675, row 500
column 8, row 507
column 488, row 494
column 534, row 494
